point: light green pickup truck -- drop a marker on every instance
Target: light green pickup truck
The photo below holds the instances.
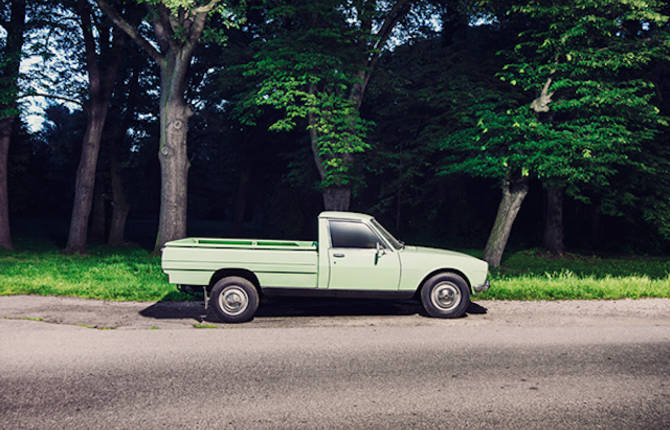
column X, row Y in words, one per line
column 354, row 257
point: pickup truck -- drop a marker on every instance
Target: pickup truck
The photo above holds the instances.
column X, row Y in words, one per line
column 354, row 257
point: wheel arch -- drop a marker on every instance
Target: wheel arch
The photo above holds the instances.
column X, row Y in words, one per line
column 442, row 270
column 242, row 273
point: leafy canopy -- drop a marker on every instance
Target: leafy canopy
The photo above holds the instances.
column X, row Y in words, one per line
column 305, row 70
column 586, row 106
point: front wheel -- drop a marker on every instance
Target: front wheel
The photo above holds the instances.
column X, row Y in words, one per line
column 235, row 299
column 445, row 295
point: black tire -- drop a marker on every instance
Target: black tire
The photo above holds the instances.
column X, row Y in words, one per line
column 445, row 295
column 235, row 299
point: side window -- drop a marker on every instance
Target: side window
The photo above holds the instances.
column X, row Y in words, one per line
column 346, row 234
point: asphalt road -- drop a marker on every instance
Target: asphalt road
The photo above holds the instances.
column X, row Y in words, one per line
column 507, row 365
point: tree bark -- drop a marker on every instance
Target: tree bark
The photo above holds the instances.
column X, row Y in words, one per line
column 85, row 181
column 120, row 204
column 172, row 154
column 336, row 198
column 100, row 93
column 6, row 125
column 513, row 194
column 553, row 221
column 8, row 85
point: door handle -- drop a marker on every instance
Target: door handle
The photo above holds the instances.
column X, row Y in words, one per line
column 338, row 255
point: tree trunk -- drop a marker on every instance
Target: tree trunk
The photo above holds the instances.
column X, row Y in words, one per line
column 120, row 205
column 174, row 116
column 553, row 221
column 99, row 214
column 100, row 94
column 513, row 193
column 177, row 35
column 5, row 137
column 85, row 182
column 9, row 74
column 336, row 198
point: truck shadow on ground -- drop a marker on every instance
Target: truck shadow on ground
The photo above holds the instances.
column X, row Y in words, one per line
column 298, row 307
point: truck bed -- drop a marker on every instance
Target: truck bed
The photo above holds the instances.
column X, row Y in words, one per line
column 206, row 242
column 276, row 263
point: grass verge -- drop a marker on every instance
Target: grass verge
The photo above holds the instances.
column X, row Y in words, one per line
column 105, row 273
column 535, row 275
column 133, row 274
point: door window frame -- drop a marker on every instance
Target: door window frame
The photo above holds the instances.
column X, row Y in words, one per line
column 379, row 237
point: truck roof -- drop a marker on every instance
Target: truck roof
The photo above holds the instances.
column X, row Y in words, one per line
column 344, row 215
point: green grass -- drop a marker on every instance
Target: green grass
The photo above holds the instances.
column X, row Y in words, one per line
column 25, row 318
column 133, row 274
column 198, row 325
column 105, row 273
column 534, row 275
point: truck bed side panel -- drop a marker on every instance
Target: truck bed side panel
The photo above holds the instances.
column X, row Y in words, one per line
column 273, row 267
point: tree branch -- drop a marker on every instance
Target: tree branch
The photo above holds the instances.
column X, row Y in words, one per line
column 52, row 96
column 197, row 26
column 112, row 62
column 398, row 10
column 396, row 13
column 206, row 8
column 89, row 48
column 541, row 103
column 130, row 31
column 163, row 28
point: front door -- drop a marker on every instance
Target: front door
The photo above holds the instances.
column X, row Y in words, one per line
column 355, row 261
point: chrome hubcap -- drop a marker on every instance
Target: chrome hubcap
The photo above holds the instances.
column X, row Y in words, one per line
column 233, row 300
column 445, row 296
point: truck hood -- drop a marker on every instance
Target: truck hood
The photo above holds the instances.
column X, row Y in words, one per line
column 435, row 251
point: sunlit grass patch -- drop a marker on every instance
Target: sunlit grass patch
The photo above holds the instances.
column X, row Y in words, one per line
column 199, row 325
column 536, row 275
column 107, row 274
column 568, row 285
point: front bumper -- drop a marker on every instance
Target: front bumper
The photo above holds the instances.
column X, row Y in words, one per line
column 481, row 288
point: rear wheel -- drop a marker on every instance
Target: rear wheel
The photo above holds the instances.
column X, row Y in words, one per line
column 445, row 295
column 235, row 299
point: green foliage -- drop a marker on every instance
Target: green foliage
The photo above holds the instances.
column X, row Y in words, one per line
column 8, row 85
column 229, row 15
column 305, row 70
column 584, row 59
column 12, row 16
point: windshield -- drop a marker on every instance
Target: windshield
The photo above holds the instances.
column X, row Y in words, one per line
column 388, row 236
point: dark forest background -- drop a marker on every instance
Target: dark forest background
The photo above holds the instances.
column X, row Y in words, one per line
column 444, row 69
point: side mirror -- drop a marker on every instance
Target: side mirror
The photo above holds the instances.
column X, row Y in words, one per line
column 379, row 252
